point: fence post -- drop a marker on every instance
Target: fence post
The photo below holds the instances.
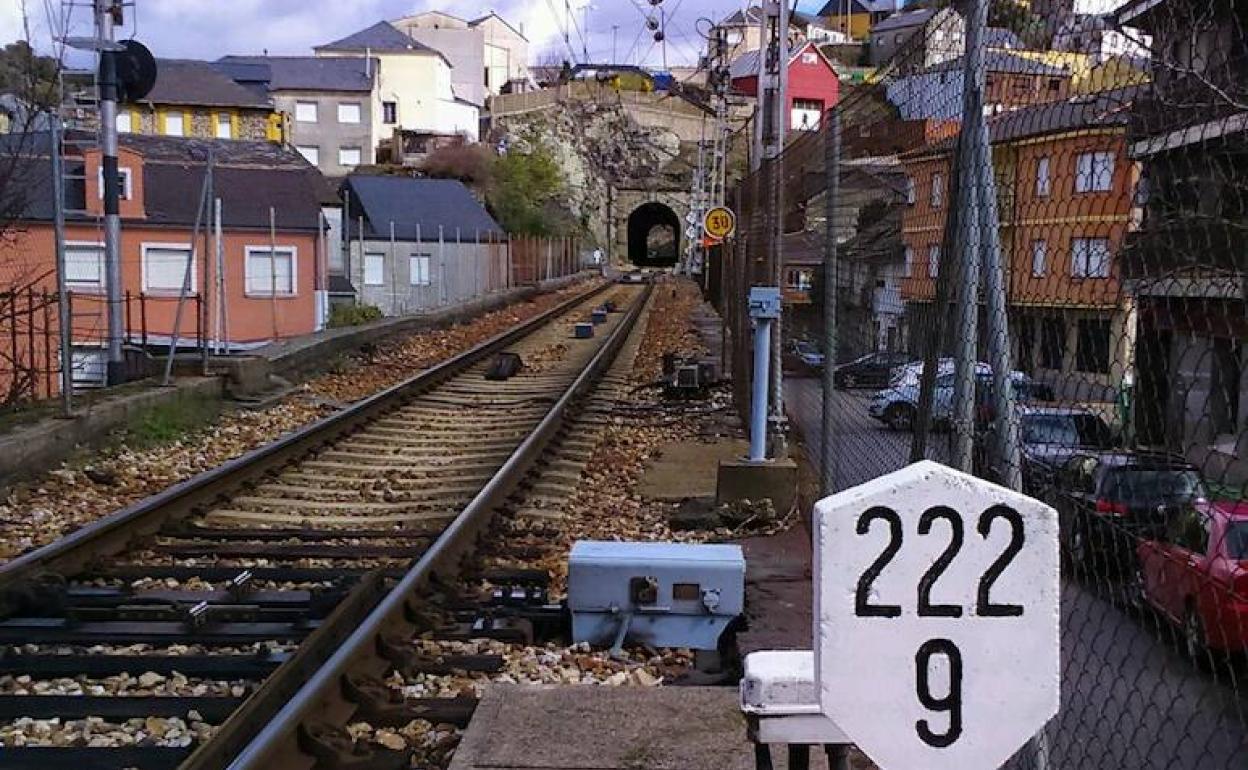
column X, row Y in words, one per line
column 143, row 315
column 47, row 343
column 832, row 198
column 129, row 316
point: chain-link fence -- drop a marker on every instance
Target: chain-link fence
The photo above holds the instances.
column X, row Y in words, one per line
column 1059, row 306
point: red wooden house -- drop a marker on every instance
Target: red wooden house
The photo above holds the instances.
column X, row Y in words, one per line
column 814, row 85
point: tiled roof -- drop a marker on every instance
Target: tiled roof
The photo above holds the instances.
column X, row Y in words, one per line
column 249, row 177
column 303, row 73
column 904, row 20
column 195, row 83
column 417, row 204
column 381, row 37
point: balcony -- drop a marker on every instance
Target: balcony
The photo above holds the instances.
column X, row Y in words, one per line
column 1186, row 100
column 1193, row 258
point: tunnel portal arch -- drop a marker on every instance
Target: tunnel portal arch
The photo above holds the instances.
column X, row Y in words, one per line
column 654, row 232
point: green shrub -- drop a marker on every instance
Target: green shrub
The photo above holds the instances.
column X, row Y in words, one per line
column 352, row 315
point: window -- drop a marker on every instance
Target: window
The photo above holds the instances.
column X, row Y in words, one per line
column 933, row 261
column 1092, row 350
column 270, row 271
column 175, row 124
column 225, row 125
column 348, row 156
column 1052, row 343
column 1089, row 258
column 305, row 112
column 374, row 269
column 1094, row 172
column 125, row 122
column 418, row 269
column 123, row 181
column 810, row 57
column 806, row 114
column 938, row 190
column 349, row 112
column 1039, row 256
column 164, row 267
column 310, row 153
column 1044, row 184
column 84, row 266
column 800, row 279
column 389, row 112
column 1055, row 85
column 907, row 269
column 910, row 191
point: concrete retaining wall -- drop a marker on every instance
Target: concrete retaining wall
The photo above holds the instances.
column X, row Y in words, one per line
column 37, row 446
column 34, row 447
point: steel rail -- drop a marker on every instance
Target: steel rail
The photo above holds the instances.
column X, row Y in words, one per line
column 320, row 690
column 114, row 532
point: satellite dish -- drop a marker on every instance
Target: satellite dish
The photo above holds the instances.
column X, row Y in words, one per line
column 136, row 71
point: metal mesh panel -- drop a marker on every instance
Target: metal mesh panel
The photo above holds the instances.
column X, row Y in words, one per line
column 1095, row 250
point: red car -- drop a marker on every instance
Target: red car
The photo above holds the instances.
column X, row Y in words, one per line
column 1196, row 574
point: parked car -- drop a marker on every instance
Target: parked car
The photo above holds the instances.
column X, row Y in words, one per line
column 870, row 371
column 1106, row 501
column 1195, row 573
column 809, row 354
column 911, row 374
column 897, row 405
column 1048, row 437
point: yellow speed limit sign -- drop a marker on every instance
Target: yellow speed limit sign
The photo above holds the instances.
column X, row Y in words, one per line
column 719, row 222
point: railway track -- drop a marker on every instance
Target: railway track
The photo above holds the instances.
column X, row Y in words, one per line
column 237, row 618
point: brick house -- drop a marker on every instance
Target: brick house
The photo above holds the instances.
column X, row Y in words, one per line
column 1065, row 190
column 814, row 85
column 269, row 293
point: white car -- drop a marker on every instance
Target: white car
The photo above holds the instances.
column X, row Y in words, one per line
column 911, row 374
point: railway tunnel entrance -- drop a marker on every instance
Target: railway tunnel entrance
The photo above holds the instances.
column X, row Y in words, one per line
column 653, row 235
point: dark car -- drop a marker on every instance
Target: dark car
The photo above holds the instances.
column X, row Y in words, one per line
column 1049, row 436
column 1106, row 501
column 870, row 371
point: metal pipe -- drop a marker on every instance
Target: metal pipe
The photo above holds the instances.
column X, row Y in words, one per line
column 963, row 418
column 758, row 399
column 111, row 191
column 187, row 276
column 273, row 270
column 62, row 293
column 204, row 308
column 832, row 199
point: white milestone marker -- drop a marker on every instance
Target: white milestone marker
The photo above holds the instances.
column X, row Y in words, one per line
column 937, row 618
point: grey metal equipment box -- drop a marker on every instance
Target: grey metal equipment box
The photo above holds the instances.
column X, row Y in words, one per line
column 663, row 594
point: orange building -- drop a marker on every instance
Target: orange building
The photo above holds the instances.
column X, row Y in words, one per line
column 271, row 259
column 1065, row 193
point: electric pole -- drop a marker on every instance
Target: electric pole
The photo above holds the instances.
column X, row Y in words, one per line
column 107, row 14
column 770, row 124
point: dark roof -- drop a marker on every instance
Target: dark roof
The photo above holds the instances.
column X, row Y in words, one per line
column 904, row 20
column 1099, row 110
column 249, row 177
column 747, row 63
column 1104, row 109
column 412, row 203
column 1000, row 37
column 996, row 60
column 835, row 7
column 191, row 82
column 303, row 73
column 382, row 36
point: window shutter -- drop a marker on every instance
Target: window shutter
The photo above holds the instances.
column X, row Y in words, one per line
column 84, row 267
column 165, row 268
column 374, row 269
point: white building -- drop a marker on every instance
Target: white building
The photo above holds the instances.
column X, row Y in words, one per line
column 414, row 91
column 485, row 54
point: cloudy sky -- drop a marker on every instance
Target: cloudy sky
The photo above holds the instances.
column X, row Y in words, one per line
column 206, row 29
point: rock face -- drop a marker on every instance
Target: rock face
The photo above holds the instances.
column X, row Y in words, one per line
column 595, row 141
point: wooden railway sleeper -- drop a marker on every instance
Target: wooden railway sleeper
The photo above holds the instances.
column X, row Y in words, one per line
column 333, row 748
column 381, row 706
